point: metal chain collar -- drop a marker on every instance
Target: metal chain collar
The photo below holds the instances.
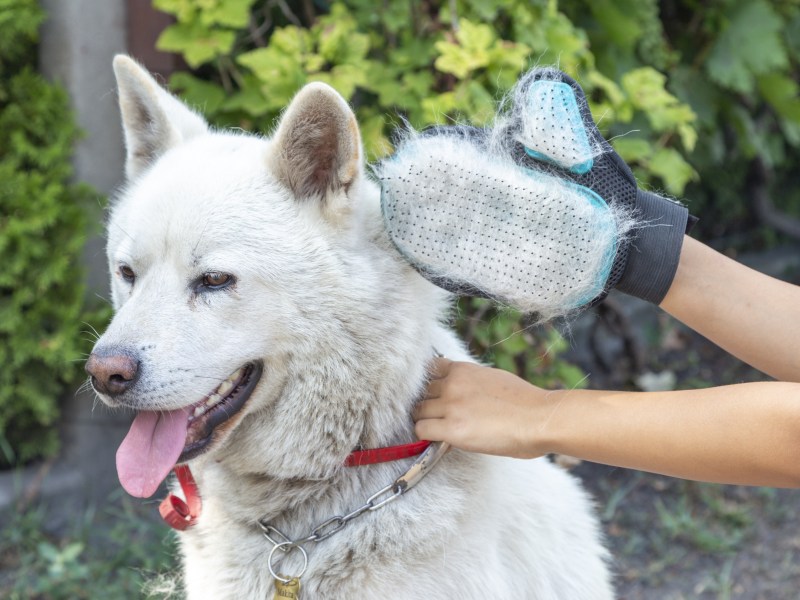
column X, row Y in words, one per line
column 335, row 524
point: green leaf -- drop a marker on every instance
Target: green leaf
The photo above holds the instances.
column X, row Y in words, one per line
column 395, row 15
column 198, row 44
column 571, row 376
column 632, row 149
column 564, row 44
column 485, row 10
column 619, row 21
column 751, row 138
column 506, row 61
column 645, row 87
column 693, row 87
column 782, row 93
column 71, row 552
column 750, row 45
column 339, row 40
column 376, row 144
column 505, row 362
column 183, row 10
column 282, row 67
column 251, row 99
column 227, row 13
column 436, row 108
column 343, row 78
column 792, row 37
column 202, row 95
column 469, row 54
column 674, row 171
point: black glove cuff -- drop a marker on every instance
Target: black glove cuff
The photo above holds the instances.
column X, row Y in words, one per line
column 655, row 248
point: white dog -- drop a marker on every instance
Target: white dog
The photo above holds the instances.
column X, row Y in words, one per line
column 265, row 327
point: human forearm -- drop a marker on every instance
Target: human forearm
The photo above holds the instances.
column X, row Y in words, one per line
column 751, row 315
column 747, row 433
column 742, row 434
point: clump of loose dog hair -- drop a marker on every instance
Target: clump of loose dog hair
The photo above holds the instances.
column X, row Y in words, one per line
column 164, row 586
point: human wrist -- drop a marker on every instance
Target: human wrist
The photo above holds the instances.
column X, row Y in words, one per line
column 576, row 421
column 548, row 431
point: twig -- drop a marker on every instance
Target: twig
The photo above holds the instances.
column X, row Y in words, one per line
column 257, row 31
column 287, row 12
column 310, row 13
column 453, row 15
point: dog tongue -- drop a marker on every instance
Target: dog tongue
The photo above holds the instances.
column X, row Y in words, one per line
column 151, row 449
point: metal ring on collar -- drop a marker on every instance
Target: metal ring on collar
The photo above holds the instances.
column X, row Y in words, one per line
column 289, row 546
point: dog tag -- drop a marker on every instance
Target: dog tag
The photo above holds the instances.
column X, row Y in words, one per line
column 287, row 590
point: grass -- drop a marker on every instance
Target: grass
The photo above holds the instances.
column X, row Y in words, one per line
column 675, row 539
column 112, row 553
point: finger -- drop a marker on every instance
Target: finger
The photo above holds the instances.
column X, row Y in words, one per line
column 429, row 429
column 428, row 409
column 434, row 389
column 439, row 367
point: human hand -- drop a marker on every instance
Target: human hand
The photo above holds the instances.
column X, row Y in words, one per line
column 538, row 212
column 486, row 410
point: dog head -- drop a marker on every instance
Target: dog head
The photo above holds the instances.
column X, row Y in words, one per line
column 230, row 255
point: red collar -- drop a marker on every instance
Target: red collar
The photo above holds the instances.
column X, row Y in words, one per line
column 180, row 514
column 379, row 455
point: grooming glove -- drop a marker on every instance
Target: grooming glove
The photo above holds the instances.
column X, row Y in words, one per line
column 538, row 212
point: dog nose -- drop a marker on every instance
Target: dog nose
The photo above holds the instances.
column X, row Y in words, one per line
column 112, row 372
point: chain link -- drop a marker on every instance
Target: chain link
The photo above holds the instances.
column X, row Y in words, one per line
column 335, row 524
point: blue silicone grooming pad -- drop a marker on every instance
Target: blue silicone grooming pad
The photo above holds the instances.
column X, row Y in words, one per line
column 553, row 130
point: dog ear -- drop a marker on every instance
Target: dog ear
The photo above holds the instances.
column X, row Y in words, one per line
column 153, row 119
column 317, row 144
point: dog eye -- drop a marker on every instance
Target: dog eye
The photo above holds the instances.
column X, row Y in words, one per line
column 215, row 280
column 127, row 273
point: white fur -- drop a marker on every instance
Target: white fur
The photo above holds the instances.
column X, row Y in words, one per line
column 345, row 329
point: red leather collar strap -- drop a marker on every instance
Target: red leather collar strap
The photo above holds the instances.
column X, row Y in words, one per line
column 180, row 514
column 177, row 513
column 379, row 455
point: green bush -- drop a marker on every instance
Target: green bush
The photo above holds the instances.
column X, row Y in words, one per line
column 43, row 225
column 419, row 62
column 118, row 552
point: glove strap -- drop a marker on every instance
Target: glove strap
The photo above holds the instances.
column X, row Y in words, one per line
column 655, row 248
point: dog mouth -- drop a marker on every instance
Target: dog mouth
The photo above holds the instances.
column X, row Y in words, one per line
column 217, row 408
column 157, row 441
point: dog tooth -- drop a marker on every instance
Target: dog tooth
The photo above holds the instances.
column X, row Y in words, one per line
column 199, row 411
column 213, row 399
column 225, row 387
